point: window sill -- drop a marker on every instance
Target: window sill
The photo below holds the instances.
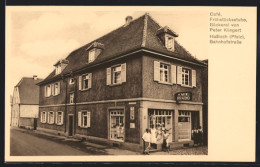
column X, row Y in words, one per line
column 116, row 84
column 85, row 89
column 50, row 123
column 166, row 83
column 59, row 124
column 84, row 127
column 187, row 86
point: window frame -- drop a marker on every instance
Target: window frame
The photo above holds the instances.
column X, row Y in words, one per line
column 169, row 45
column 61, row 114
column 183, row 74
column 49, row 122
column 56, row 92
column 73, row 101
column 163, row 72
column 48, row 87
column 83, row 81
column 91, row 54
column 58, row 69
column 43, row 117
column 113, row 74
column 72, row 82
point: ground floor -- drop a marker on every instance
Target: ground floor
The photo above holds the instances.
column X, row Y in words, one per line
column 122, row 122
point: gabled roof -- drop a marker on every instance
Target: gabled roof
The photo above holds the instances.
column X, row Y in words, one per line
column 141, row 33
column 28, row 90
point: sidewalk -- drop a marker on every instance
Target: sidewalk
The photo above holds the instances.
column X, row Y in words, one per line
column 88, row 146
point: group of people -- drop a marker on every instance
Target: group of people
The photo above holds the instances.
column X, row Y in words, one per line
column 156, row 136
column 197, row 136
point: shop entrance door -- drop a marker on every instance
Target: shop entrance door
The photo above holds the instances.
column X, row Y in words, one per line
column 117, row 125
column 70, row 125
column 160, row 118
column 184, row 125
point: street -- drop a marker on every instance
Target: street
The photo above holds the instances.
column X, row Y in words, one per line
column 24, row 143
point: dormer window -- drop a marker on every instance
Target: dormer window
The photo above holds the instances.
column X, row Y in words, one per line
column 167, row 37
column 169, row 42
column 60, row 65
column 94, row 50
column 91, row 55
column 58, row 69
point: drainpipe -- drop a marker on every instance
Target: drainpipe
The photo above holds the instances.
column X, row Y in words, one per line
column 65, row 120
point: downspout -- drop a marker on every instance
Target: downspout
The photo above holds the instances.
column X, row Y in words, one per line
column 75, row 100
column 65, row 120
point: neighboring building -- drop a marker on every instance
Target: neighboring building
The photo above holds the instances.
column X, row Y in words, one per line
column 116, row 86
column 25, row 102
column 205, row 102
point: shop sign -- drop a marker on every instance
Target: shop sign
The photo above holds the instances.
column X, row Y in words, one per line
column 183, row 96
column 132, row 125
column 132, row 113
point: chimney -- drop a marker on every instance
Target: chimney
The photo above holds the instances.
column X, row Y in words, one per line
column 128, row 19
column 35, row 77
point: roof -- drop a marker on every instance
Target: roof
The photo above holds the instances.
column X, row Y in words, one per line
column 28, row 90
column 141, row 33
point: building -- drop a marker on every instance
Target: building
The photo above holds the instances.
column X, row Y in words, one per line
column 25, row 102
column 116, row 86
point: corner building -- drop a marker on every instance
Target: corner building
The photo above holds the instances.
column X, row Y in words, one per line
column 113, row 88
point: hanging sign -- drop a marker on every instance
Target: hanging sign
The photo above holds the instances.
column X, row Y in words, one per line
column 183, row 96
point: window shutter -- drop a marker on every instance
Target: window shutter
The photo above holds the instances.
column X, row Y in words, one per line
column 41, row 116
column 108, row 76
column 90, row 80
column 179, row 75
column 88, row 119
column 80, row 82
column 56, row 118
column 156, row 71
column 45, row 91
column 173, row 74
column 45, row 117
column 62, row 118
column 48, row 117
column 79, row 119
column 193, row 78
column 58, row 87
column 52, row 89
column 123, row 68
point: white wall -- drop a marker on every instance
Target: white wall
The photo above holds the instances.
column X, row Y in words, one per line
column 29, row 111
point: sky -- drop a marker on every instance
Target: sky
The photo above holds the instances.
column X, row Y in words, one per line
column 37, row 37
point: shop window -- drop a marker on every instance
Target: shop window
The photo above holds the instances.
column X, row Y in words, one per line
column 184, row 125
column 51, row 117
column 117, row 125
column 59, row 118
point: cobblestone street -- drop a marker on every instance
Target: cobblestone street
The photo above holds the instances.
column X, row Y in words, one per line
column 200, row 150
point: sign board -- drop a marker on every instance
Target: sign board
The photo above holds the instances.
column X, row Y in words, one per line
column 183, row 96
column 132, row 125
column 132, row 113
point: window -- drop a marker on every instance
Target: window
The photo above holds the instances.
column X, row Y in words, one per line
column 169, row 42
column 185, row 77
column 91, row 55
column 85, row 81
column 71, row 98
column 56, row 89
column 59, row 118
column 117, row 125
column 51, row 117
column 84, row 119
column 48, row 90
column 164, row 73
column 43, row 117
column 72, row 81
column 58, row 69
column 116, row 74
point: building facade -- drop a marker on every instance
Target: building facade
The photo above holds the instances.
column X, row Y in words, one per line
column 130, row 79
column 25, row 102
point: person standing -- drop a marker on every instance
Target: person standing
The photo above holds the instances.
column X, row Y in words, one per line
column 166, row 142
column 147, row 139
column 153, row 135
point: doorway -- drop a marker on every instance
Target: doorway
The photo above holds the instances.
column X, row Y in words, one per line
column 117, row 125
column 70, row 125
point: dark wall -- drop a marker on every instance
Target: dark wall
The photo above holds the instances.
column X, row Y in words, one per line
column 51, row 126
column 153, row 89
column 205, row 104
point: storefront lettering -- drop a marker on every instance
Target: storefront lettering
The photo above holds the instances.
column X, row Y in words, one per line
column 183, row 96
